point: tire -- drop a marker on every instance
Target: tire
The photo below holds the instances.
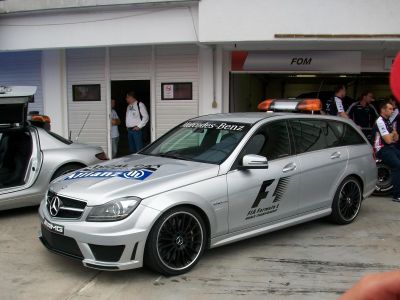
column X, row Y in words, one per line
column 176, row 242
column 347, row 201
column 66, row 169
column 384, row 184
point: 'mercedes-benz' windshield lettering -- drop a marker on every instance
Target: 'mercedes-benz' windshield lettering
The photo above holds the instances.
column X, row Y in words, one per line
column 218, row 126
column 201, row 141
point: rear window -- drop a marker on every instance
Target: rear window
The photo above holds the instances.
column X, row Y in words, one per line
column 313, row 135
column 347, row 135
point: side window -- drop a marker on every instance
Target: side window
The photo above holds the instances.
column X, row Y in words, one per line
column 271, row 140
column 309, row 135
column 331, row 136
column 346, row 134
column 351, row 136
column 277, row 143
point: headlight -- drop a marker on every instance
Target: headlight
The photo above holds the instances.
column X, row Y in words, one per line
column 114, row 210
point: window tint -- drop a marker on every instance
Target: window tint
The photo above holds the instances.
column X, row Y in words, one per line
column 312, row 135
column 271, row 141
column 349, row 136
column 309, row 135
column 352, row 137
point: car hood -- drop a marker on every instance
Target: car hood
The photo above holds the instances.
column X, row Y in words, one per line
column 135, row 175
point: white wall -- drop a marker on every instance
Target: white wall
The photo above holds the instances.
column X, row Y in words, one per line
column 89, row 28
column 55, row 90
column 23, row 68
column 176, row 64
column 260, row 20
column 87, row 66
column 130, row 63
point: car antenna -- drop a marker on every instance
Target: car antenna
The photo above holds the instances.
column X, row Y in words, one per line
column 84, row 123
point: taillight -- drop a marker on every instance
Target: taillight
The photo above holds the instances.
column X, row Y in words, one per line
column 101, row 156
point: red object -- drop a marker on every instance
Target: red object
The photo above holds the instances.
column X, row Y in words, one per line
column 238, row 60
column 395, row 78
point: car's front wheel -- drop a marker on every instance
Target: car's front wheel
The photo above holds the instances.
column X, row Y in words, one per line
column 347, row 202
column 176, row 242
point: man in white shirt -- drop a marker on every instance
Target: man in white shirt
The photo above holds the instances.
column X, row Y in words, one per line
column 115, row 121
column 136, row 119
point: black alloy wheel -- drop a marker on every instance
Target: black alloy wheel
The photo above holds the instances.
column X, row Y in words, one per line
column 347, row 202
column 176, row 242
column 384, row 184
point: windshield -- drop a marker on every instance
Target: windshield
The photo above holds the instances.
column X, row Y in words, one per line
column 202, row 141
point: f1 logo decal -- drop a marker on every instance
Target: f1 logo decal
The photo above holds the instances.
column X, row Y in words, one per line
column 263, row 193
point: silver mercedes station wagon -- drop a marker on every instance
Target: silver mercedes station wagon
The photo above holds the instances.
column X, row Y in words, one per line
column 210, row 181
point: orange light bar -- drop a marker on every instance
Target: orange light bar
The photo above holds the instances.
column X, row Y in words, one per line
column 265, row 105
column 41, row 118
column 310, row 105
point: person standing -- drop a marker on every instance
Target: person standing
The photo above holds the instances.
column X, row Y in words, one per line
column 115, row 121
column 395, row 117
column 385, row 138
column 136, row 119
column 363, row 113
column 334, row 106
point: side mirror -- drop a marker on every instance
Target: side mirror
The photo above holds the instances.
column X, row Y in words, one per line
column 252, row 161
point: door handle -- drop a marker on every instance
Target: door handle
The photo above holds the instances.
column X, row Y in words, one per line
column 335, row 155
column 289, row 167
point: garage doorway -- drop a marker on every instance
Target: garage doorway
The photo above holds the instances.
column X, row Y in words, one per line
column 119, row 88
column 247, row 90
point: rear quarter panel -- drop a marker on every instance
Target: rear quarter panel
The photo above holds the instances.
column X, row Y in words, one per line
column 362, row 163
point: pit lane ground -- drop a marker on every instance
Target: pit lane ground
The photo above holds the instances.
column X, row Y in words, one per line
column 316, row 260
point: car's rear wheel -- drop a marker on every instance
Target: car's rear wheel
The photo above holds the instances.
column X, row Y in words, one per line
column 347, row 202
column 384, row 184
column 176, row 242
column 66, row 169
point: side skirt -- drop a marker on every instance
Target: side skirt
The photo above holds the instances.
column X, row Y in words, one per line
column 254, row 231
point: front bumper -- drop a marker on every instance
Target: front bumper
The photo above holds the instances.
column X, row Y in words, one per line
column 100, row 245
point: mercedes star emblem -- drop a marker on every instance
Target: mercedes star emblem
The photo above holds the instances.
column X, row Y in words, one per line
column 55, row 205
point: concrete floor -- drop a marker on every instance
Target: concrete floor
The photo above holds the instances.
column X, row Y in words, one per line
column 316, row 260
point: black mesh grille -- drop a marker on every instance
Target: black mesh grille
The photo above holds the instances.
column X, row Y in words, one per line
column 70, row 208
column 107, row 253
column 61, row 244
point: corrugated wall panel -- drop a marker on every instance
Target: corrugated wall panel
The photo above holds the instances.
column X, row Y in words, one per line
column 23, row 68
column 176, row 64
column 130, row 63
column 87, row 66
